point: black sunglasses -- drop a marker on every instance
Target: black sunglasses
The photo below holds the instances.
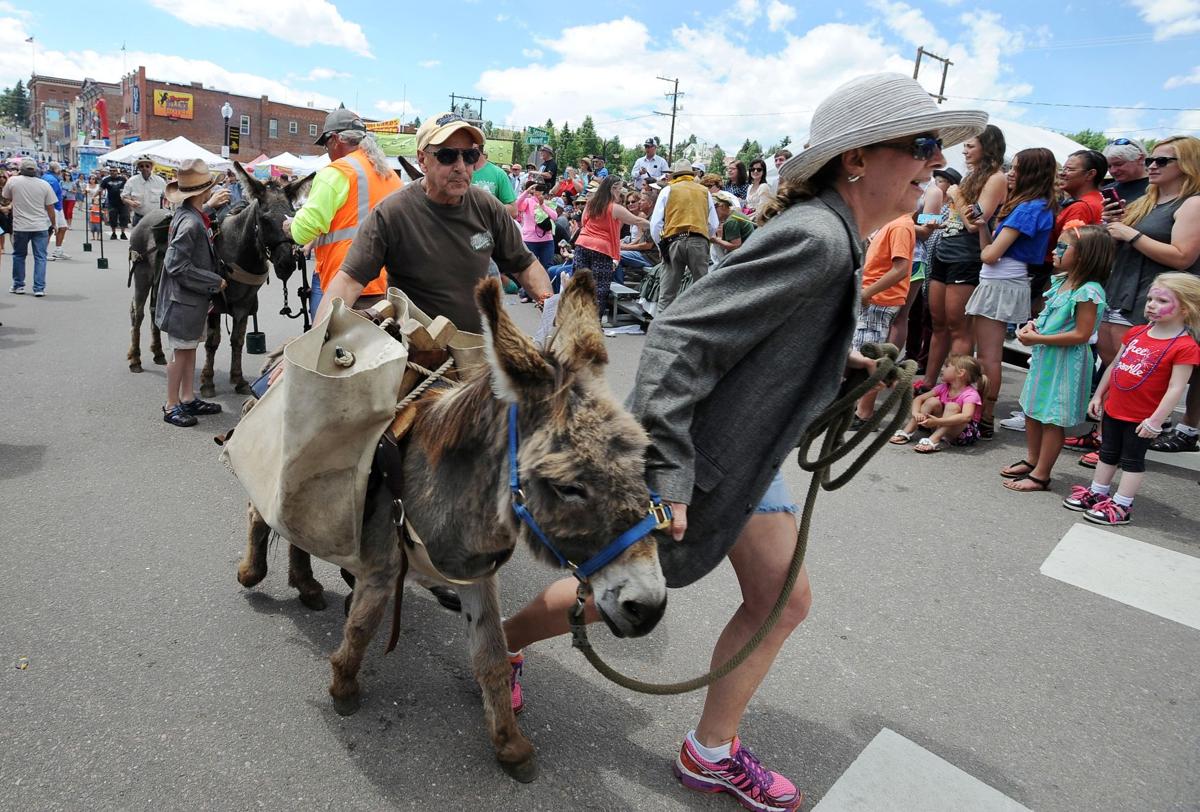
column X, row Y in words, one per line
column 447, row 156
column 1161, row 161
column 922, row 148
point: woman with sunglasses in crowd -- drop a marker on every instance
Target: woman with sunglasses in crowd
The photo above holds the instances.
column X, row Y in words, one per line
column 759, row 193
column 734, row 373
column 1159, row 233
column 954, row 268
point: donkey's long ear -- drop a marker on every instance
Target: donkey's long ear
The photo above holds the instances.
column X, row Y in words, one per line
column 298, row 189
column 251, row 185
column 518, row 369
column 579, row 342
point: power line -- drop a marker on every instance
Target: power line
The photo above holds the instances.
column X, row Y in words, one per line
column 1085, row 106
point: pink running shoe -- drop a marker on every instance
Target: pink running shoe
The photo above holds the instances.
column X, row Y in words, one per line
column 1110, row 513
column 1082, row 498
column 518, row 698
column 741, row 775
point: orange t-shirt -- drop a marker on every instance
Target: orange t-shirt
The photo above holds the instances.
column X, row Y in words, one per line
column 896, row 240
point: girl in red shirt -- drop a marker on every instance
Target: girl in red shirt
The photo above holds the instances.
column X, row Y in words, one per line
column 1137, row 393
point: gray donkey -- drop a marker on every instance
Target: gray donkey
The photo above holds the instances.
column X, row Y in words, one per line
column 247, row 238
column 581, row 463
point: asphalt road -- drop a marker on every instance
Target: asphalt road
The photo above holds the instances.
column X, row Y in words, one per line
column 154, row 681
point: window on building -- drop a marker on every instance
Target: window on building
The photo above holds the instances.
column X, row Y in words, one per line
column 312, row 130
column 244, row 129
column 273, row 128
column 293, row 128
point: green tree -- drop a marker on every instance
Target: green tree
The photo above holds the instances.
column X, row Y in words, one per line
column 568, row 150
column 787, row 140
column 1092, row 139
column 613, row 154
column 749, row 151
column 589, row 142
column 716, row 163
column 20, row 102
column 549, row 127
column 416, row 122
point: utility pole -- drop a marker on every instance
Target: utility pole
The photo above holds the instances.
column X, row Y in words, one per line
column 946, row 63
column 674, row 96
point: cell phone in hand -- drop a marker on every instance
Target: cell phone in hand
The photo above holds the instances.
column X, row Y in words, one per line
column 1110, row 195
column 929, row 219
column 976, row 211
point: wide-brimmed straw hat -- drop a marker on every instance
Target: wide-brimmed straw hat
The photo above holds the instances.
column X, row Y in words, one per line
column 193, row 178
column 682, row 167
column 873, row 109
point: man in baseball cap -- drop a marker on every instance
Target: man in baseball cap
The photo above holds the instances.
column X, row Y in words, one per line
column 339, row 121
column 436, row 236
column 650, row 167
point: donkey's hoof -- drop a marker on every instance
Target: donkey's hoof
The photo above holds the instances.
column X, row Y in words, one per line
column 313, row 599
column 347, row 705
column 208, row 390
column 243, row 388
column 160, row 359
column 524, row 771
column 249, row 577
column 136, row 367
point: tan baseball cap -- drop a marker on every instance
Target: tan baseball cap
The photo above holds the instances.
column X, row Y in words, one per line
column 437, row 130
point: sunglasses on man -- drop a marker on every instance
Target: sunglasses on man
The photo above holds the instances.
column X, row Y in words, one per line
column 448, row 156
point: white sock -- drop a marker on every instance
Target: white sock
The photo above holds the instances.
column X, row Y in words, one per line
column 1100, row 489
column 712, row 754
column 1123, row 501
column 1186, row 431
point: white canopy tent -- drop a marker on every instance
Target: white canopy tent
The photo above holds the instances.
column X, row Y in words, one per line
column 1018, row 136
column 174, row 152
column 129, row 153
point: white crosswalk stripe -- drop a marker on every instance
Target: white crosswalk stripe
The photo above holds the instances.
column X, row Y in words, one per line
column 1145, row 576
column 894, row 774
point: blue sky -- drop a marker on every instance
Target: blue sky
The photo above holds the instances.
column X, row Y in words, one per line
column 749, row 68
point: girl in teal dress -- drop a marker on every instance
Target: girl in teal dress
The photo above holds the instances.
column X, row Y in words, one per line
column 1057, row 388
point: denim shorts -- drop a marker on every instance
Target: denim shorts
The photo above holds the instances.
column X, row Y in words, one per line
column 778, row 499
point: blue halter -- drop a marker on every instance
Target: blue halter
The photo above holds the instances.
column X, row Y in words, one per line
column 658, row 516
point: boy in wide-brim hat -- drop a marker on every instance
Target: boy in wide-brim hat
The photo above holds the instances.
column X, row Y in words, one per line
column 189, row 280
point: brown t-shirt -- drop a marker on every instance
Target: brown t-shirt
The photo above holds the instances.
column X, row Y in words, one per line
column 435, row 253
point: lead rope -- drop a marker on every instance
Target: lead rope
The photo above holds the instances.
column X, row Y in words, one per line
column 832, row 422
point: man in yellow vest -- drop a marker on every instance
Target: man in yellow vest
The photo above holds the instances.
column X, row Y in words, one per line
column 683, row 220
column 341, row 196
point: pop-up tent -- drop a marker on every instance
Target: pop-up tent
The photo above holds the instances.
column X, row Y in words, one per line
column 174, row 152
column 130, row 152
column 1018, row 136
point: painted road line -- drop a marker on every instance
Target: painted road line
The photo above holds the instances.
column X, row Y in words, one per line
column 1159, row 581
column 894, row 774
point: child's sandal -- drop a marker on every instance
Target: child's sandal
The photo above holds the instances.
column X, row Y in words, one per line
column 1008, row 473
column 901, row 437
column 927, row 446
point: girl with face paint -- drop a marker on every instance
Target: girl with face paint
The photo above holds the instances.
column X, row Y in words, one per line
column 1137, row 393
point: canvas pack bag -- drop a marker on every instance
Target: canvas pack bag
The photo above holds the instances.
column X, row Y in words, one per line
column 303, row 452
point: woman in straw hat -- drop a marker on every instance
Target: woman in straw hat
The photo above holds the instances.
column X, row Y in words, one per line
column 732, row 375
column 189, row 280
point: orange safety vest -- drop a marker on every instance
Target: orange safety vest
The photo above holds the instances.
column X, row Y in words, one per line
column 366, row 190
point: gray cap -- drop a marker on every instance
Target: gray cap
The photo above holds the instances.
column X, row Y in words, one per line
column 28, row 166
column 338, row 121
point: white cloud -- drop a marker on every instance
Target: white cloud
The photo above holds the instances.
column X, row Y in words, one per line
column 910, row 24
column 397, row 109
column 106, row 66
column 302, row 22
column 532, row 53
column 324, row 74
column 9, row 8
column 1192, row 78
column 1170, row 18
column 1129, row 120
column 788, row 81
column 747, row 10
column 779, row 14
column 501, row 18
column 430, row 63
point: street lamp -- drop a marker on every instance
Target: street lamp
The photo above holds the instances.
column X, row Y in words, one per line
column 226, row 113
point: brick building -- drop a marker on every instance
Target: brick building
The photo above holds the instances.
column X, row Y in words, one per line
column 154, row 109
column 62, row 111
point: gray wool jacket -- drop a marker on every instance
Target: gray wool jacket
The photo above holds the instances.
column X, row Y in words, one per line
column 189, row 278
column 736, row 370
